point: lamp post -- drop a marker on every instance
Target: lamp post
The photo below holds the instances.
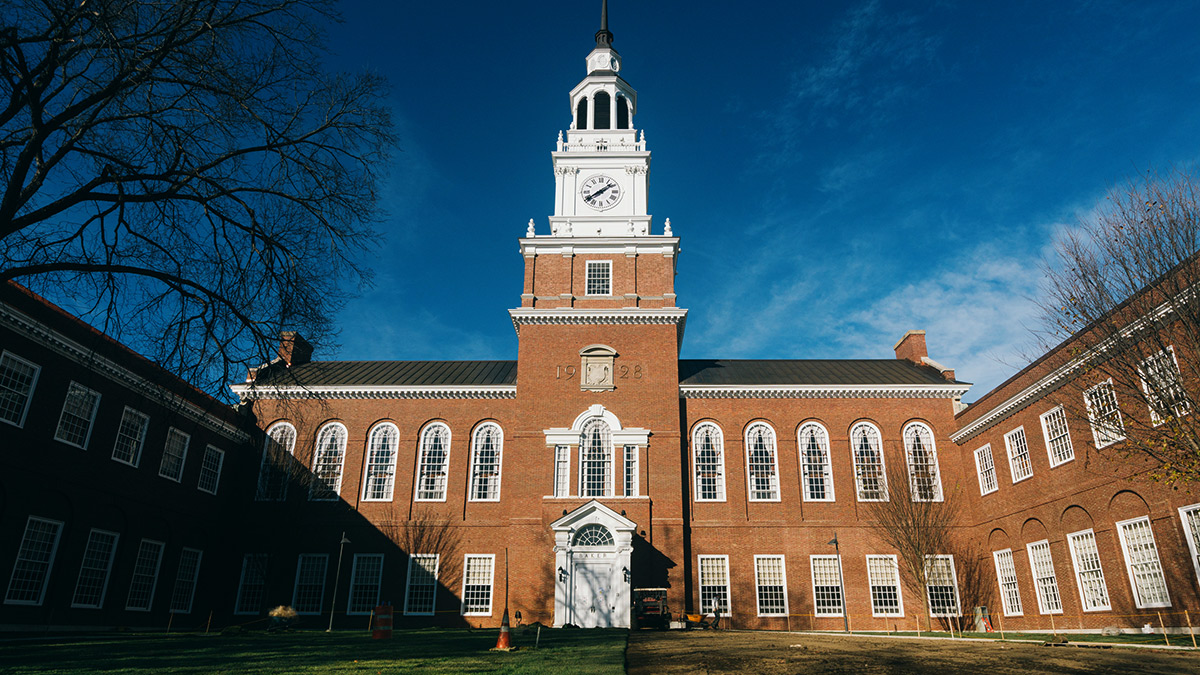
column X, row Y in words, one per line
column 841, row 582
column 336, row 576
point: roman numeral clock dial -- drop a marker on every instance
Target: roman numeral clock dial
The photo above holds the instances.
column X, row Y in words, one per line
column 600, row 192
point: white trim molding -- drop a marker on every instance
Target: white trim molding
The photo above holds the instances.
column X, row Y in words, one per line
column 447, row 391
column 950, row 391
column 560, row 316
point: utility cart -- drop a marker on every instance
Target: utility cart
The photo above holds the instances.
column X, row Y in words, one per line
column 650, row 608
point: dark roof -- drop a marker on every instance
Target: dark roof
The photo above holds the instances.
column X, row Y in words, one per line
column 805, row 372
column 395, row 373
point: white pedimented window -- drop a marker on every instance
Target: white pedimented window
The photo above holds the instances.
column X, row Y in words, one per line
column 92, row 584
column 942, row 586
column 762, row 463
column 421, row 592
column 1045, row 583
column 1006, row 576
column 1089, row 575
column 986, row 469
column 433, row 463
column 870, row 473
column 18, row 378
column 1163, row 386
column 883, row 575
column 770, row 580
column 487, row 454
column 78, row 414
column 1104, row 414
column 278, row 448
column 1018, row 455
column 920, row 452
column 131, row 437
column 35, row 558
column 328, row 459
column 174, row 456
column 708, row 457
column 380, row 478
column 596, row 459
column 1142, row 563
column 1058, row 436
column 714, row 584
column 816, row 470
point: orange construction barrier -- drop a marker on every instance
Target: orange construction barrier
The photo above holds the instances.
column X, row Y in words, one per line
column 382, row 627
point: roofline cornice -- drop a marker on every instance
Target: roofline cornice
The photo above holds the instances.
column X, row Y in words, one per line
column 446, row 391
column 947, row 391
column 561, row 316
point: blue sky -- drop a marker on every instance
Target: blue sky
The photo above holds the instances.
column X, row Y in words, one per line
column 838, row 173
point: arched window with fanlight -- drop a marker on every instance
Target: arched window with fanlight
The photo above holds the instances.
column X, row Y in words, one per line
column 920, row 451
column 433, row 463
column 708, row 458
column 381, row 463
column 870, row 478
column 278, row 449
column 487, row 448
column 327, row 463
column 593, row 535
column 595, row 459
column 762, row 464
column 816, row 470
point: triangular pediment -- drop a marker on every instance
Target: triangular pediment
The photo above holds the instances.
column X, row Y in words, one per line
column 593, row 512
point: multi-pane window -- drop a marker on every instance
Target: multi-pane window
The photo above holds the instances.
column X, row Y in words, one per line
column 35, row 557
column 1093, row 592
column 145, row 575
column 1163, row 386
column 631, row 471
column 382, row 447
column 18, row 377
column 131, row 436
column 365, row 578
column 941, row 585
column 433, row 463
column 595, row 459
column 594, row 535
column 92, row 585
column 1018, row 455
column 421, row 591
column 1105, row 416
column 714, row 584
column 708, row 449
column 487, row 452
column 327, row 463
column 1058, row 437
column 477, row 585
column 599, row 277
column 827, row 585
column 817, row 474
column 210, row 470
column 276, row 460
column 252, row 586
column 185, row 581
column 1044, row 580
column 870, row 477
column 174, row 455
column 986, row 469
column 1190, row 515
column 562, row 470
column 920, row 452
column 78, row 413
column 761, row 464
column 1006, row 576
column 308, row 595
column 1141, row 561
column 771, row 581
column 883, row 575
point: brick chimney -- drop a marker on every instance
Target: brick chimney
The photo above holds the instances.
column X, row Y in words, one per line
column 294, row 349
column 911, row 347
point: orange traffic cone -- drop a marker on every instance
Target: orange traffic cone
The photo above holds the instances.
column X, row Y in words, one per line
column 504, row 641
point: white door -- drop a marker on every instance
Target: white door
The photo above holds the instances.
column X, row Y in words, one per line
column 593, row 594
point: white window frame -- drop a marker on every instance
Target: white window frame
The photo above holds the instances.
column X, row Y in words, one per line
column 268, row 473
column 772, row 450
column 1186, row 512
column 841, row 585
column 632, row 465
column 717, row 437
column 427, row 471
column 249, row 561
column 379, row 471
column 37, row 371
column 1183, row 407
column 329, row 463
column 107, row 569
column 1020, row 464
column 932, row 559
column 1057, row 415
column 1137, row 596
column 476, row 452
column 324, row 582
column 23, row 554
column 91, row 422
column 587, row 278
column 912, row 470
column 377, row 583
column 605, row 460
column 408, row 586
column 491, row 571
column 142, row 545
column 723, row 567
column 213, row 474
column 809, row 470
column 758, row 584
column 188, row 584
column 141, row 440
column 1006, row 576
column 986, row 486
column 1073, row 540
column 1042, row 584
column 162, row 463
column 1101, row 436
column 873, row 582
column 874, row 439
column 562, row 471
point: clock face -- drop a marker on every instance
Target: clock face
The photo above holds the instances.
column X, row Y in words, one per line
column 600, row 192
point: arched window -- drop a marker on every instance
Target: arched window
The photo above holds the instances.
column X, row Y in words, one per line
column 581, row 111
column 708, row 456
column 327, row 462
column 814, row 463
column 593, row 535
column 278, row 448
column 866, row 447
column 924, row 478
column 487, row 450
column 603, row 113
column 761, row 464
column 595, row 459
column 381, row 463
column 622, row 112
column 433, row 463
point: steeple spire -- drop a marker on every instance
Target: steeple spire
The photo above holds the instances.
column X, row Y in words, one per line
column 604, row 37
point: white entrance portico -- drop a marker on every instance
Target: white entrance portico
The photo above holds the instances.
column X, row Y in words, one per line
column 592, row 547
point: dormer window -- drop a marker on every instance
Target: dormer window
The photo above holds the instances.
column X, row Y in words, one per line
column 599, row 277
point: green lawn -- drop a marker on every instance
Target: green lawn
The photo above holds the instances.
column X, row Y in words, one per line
column 1181, row 640
column 419, row 651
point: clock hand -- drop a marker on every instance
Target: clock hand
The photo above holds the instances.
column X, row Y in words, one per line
column 597, row 192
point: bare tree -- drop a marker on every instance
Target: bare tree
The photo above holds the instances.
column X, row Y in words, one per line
column 185, row 173
column 1122, row 300
column 427, row 532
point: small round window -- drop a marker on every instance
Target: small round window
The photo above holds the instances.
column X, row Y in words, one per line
column 593, row 535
